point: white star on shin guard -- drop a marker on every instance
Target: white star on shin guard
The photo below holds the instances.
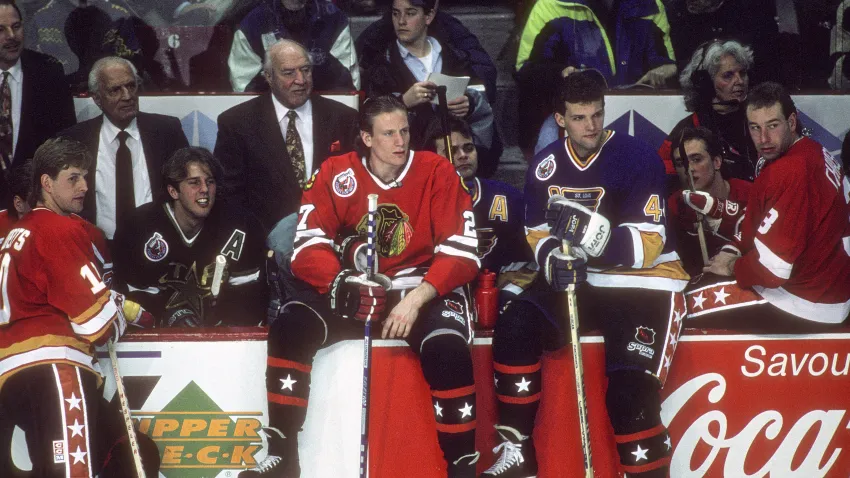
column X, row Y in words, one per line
column 698, row 300
column 495, row 380
column 640, row 454
column 465, row 411
column 73, row 402
column 76, row 428
column 522, row 385
column 286, row 383
column 438, row 410
column 79, row 456
column 720, row 296
column 668, row 443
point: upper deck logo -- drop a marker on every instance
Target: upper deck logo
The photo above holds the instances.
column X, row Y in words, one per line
column 345, row 183
column 546, row 168
column 156, row 248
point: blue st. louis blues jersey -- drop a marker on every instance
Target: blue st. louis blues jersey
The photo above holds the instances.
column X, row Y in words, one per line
column 624, row 181
column 502, row 247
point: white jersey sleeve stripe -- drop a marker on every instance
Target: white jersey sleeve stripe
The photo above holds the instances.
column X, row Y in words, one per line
column 311, row 242
column 775, row 264
column 466, row 241
column 451, row 251
column 98, row 322
column 637, row 244
column 309, row 233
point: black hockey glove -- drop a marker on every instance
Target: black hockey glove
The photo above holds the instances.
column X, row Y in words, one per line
column 182, row 318
column 578, row 225
column 563, row 270
column 353, row 296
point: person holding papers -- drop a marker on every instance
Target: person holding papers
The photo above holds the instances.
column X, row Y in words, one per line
column 407, row 69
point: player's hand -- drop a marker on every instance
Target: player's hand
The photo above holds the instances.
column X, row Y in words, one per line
column 563, row 270
column 401, row 319
column 658, row 77
column 419, row 93
column 723, row 216
column 579, row 226
column 459, row 107
column 137, row 316
column 723, row 264
column 353, row 296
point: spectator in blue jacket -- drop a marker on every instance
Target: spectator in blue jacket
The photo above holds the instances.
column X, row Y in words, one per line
column 317, row 24
column 628, row 44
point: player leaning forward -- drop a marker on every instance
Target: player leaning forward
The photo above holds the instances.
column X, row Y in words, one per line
column 604, row 194
column 425, row 235
column 54, row 308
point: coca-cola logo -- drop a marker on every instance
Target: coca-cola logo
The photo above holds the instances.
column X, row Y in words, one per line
column 711, row 431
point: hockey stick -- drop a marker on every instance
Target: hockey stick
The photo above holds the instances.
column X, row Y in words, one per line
column 578, row 368
column 125, row 411
column 215, row 287
column 367, row 341
column 700, row 230
column 443, row 107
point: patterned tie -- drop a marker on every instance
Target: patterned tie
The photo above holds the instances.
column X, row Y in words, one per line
column 6, row 131
column 295, row 149
column 125, row 197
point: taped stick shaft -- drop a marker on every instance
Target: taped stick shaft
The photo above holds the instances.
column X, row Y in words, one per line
column 125, row 411
column 443, row 108
column 578, row 369
column 367, row 340
column 215, row 287
column 700, row 230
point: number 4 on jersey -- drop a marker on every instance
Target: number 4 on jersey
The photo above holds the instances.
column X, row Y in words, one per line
column 653, row 208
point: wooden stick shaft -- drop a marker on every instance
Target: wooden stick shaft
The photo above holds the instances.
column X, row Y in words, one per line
column 125, row 411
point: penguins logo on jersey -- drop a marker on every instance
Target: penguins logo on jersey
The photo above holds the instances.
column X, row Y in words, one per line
column 156, row 248
column 392, row 229
column 546, row 168
column 345, row 183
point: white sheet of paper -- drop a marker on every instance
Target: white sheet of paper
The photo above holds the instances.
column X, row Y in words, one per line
column 455, row 85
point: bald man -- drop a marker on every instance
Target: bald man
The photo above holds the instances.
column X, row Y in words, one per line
column 270, row 146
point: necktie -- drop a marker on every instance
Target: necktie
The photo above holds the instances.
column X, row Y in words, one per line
column 295, row 149
column 125, row 197
column 6, row 131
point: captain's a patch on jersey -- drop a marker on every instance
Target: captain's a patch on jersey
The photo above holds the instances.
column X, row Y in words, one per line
column 345, row 183
column 546, row 168
column 590, row 198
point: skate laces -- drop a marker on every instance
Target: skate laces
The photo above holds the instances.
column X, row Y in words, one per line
column 268, row 463
column 511, row 455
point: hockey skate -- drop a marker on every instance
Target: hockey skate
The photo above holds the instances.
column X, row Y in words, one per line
column 517, row 458
column 281, row 460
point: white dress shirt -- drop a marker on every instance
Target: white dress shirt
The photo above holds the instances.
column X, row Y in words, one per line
column 304, row 125
column 16, row 86
column 105, row 175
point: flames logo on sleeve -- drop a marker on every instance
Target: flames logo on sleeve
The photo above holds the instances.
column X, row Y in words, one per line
column 393, row 231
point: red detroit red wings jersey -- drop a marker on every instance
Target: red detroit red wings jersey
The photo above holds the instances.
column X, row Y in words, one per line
column 424, row 218
column 53, row 303
column 795, row 237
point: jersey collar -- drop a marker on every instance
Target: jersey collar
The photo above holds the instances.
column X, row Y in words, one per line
column 583, row 165
column 395, row 183
column 188, row 241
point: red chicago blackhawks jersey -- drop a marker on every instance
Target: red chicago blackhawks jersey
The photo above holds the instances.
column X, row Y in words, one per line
column 795, row 237
column 54, row 305
column 424, row 218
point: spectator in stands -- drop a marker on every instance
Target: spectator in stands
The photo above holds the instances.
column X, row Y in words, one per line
column 170, row 248
column 839, row 48
column 128, row 147
column 270, row 145
column 628, row 43
column 717, row 202
column 748, row 22
column 78, row 33
column 715, row 84
column 498, row 210
column 35, row 102
column 403, row 67
column 317, row 24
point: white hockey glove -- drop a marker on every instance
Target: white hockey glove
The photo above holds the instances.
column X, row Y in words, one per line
column 579, row 226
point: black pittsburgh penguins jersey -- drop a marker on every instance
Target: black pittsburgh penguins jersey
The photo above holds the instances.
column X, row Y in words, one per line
column 170, row 274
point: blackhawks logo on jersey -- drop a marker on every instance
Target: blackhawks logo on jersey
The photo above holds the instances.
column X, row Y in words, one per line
column 392, row 229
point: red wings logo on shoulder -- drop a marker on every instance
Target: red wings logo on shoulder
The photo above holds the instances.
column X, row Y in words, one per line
column 393, row 231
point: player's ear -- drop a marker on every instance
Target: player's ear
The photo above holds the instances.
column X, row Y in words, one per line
column 172, row 192
column 792, row 122
column 561, row 120
column 718, row 161
column 46, row 183
column 366, row 137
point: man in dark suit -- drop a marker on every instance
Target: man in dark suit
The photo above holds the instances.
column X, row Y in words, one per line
column 129, row 147
column 270, row 145
column 39, row 100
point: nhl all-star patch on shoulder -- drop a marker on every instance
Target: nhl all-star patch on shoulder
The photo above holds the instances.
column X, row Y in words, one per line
column 156, row 248
column 546, row 168
column 345, row 183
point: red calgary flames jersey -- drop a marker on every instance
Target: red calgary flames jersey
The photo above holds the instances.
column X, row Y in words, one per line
column 424, row 218
column 54, row 305
column 795, row 237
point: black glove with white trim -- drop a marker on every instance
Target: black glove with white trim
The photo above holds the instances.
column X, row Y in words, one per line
column 563, row 270
column 353, row 296
column 578, row 225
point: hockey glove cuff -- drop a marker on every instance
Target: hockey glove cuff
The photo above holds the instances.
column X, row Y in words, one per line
column 137, row 316
column 578, row 225
column 353, row 253
column 562, row 270
column 353, row 296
